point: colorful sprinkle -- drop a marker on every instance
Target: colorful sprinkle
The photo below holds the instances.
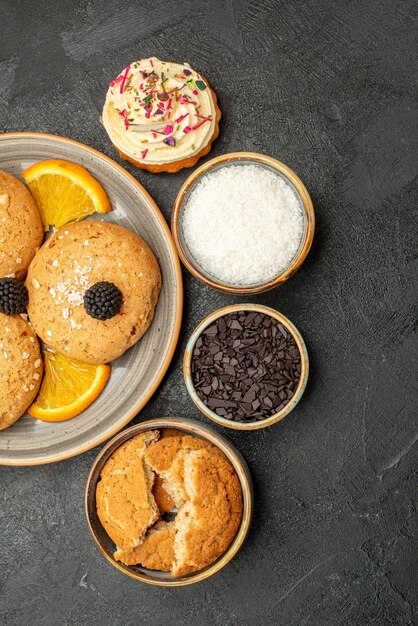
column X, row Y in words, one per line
column 186, row 129
column 152, row 78
column 206, row 119
column 170, row 141
column 181, row 117
column 186, row 72
column 122, row 85
column 163, row 95
column 124, row 114
column 116, row 81
column 201, row 85
column 168, row 129
column 144, row 153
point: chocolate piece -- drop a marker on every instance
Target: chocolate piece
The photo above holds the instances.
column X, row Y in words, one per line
column 246, row 366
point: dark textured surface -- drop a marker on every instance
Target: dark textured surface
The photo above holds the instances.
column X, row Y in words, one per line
column 327, row 87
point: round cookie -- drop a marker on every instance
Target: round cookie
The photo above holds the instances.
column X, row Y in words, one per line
column 21, row 230
column 71, row 261
column 20, row 368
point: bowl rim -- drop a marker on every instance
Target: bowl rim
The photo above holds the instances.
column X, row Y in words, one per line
column 305, row 246
column 191, row 427
column 187, row 366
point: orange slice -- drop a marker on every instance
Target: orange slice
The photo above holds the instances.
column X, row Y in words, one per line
column 68, row 388
column 64, row 192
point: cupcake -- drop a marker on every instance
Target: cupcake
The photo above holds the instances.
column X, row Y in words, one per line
column 161, row 116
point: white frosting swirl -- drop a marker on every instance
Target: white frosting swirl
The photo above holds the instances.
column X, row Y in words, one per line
column 158, row 112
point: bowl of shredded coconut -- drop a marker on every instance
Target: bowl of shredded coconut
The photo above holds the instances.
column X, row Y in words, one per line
column 243, row 223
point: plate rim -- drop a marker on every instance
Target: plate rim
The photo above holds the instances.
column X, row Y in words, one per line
column 179, row 306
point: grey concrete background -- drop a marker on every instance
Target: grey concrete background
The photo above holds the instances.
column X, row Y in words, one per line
column 327, row 86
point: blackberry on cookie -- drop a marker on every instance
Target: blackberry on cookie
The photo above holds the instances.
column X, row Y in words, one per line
column 13, row 296
column 103, row 300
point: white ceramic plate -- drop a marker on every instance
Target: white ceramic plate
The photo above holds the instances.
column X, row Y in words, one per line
column 136, row 374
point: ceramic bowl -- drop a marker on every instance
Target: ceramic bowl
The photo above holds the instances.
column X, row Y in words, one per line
column 240, row 158
column 187, row 366
column 105, row 544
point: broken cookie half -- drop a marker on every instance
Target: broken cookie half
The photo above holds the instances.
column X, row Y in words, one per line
column 124, row 500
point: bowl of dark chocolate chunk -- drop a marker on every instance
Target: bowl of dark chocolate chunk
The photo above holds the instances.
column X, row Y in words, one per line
column 246, row 366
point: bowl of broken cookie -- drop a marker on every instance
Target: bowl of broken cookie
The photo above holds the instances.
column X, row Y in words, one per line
column 169, row 502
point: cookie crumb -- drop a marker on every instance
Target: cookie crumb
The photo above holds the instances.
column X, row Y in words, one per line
column 4, row 200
